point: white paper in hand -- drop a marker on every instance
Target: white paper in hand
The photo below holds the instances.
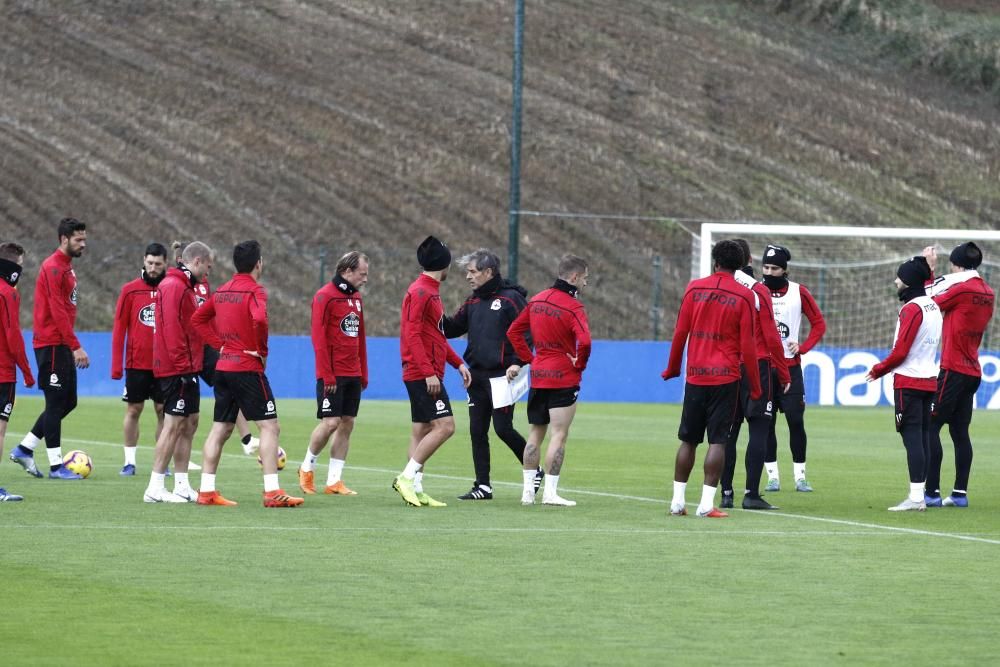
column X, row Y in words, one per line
column 507, row 392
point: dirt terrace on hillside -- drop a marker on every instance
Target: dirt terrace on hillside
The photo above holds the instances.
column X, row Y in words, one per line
column 323, row 125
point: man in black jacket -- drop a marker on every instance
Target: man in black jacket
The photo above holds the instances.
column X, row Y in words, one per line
column 485, row 316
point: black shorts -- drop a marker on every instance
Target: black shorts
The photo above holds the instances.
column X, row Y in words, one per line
column 712, row 408
column 56, row 370
column 763, row 406
column 141, row 386
column 181, row 395
column 540, row 401
column 795, row 399
column 912, row 407
column 423, row 408
column 953, row 400
column 248, row 391
column 209, row 358
column 7, row 391
column 342, row 403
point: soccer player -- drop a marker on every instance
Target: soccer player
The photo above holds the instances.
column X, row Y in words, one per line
column 716, row 323
column 966, row 302
column 58, row 353
column 338, row 338
column 791, row 302
column 132, row 336
column 913, row 358
column 177, row 360
column 202, row 291
column 234, row 321
column 557, row 323
column 485, row 316
column 770, row 355
column 12, row 355
column 424, row 350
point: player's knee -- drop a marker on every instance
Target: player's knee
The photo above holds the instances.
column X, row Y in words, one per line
column 270, row 426
column 446, row 427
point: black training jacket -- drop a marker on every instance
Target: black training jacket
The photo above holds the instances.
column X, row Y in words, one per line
column 485, row 317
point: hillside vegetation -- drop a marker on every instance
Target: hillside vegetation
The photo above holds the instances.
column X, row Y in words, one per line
column 323, row 125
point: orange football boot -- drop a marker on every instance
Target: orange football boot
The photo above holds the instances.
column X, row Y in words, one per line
column 213, row 498
column 306, row 482
column 279, row 498
column 339, row 489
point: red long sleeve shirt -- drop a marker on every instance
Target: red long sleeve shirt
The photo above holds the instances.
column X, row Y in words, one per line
column 716, row 321
column 132, row 333
column 55, row 303
column 967, row 307
column 11, row 341
column 177, row 347
column 817, row 324
column 338, row 334
column 422, row 345
column 559, row 330
column 234, row 321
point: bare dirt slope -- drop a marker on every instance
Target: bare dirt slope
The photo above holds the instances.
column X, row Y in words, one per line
column 315, row 125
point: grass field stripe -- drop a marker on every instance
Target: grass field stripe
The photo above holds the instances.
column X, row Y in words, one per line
column 840, row 522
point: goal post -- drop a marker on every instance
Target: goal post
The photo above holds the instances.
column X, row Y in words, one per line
column 850, row 273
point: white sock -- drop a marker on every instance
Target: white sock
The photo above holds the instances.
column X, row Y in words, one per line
column 411, row 469
column 271, row 483
column 707, row 499
column 207, row 482
column 799, row 471
column 772, row 469
column 418, row 482
column 309, row 462
column 529, row 482
column 129, row 456
column 181, row 480
column 156, row 481
column 30, row 441
column 679, row 489
column 335, row 471
column 916, row 491
column 55, row 455
column 551, row 486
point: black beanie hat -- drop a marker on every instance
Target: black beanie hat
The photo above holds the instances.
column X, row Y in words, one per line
column 433, row 255
column 914, row 272
column 777, row 255
column 968, row 256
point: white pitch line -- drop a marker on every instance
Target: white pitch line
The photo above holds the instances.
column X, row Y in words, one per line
column 661, row 501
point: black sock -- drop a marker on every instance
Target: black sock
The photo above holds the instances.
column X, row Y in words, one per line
column 246, row 439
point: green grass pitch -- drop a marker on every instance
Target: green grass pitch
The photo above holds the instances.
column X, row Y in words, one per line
column 93, row 576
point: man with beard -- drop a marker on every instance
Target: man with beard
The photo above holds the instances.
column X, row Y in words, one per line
column 132, row 335
column 485, row 317
column 58, row 352
column 12, row 354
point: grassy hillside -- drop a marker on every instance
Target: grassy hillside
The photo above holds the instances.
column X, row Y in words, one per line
column 326, row 125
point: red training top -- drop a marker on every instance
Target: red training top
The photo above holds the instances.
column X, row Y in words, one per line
column 338, row 333
column 234, row 321
column 177, row 348
column 422, row 345
column 134, row 321
column 559, row 330
column 967, row 308
column 11, row 340
column 55, row 303
column 716, row 322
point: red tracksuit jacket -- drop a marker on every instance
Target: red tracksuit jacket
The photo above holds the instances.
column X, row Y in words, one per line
column 11, row 340
column 132, row 332
column 55, row 303
column 559, row 330
column 422, row 345
column 967, row 308
column 769, row 344
column 177, row 347
column 234, row 321
column 338, row 333
column 716, row 322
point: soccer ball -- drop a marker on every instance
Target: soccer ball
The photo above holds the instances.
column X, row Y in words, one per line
column 282, row 459
column 79, row 462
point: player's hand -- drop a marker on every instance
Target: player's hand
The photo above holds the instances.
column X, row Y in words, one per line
column 364, row 385
column 572, row 358
column 869, row 377
column 930, row 254
column 786, row 388
column 80, row 358
column 253, row 353
column 433, row 386
column 330, row 388
column 512, row 371
column 667, row 375
column 116, row 376
column 29, row 381
column 466, row 375
column 793, row 348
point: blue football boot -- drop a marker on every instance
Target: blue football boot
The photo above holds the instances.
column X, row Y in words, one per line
column 24, row 458
column 8, row 497
column 62, row 472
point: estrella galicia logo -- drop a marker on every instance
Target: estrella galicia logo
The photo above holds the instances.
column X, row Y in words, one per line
column 72, row 296
column 783, row 330
column 147, row 315
column 351, row 325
